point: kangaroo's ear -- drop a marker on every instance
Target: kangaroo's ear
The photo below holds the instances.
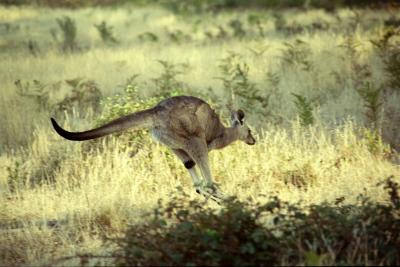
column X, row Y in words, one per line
column 238, row 116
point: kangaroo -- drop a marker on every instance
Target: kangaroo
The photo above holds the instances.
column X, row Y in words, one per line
column 188, row 126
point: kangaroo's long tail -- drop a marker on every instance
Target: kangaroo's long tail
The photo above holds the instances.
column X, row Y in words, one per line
column 134, row 121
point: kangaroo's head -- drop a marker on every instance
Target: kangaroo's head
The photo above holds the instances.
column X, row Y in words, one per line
column 244, row 131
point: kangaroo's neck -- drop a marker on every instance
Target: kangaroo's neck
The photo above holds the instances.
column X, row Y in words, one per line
column 229, row 135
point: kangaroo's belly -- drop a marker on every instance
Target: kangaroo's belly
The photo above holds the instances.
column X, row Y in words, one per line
column 168, row 138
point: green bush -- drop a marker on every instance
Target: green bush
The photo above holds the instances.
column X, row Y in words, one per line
column 297, row 54
column 196, row 6
column 106, row 33
column 68, row 28
column 68, row 3
column 191, row 233
column 244, row 93
column 130, row 101
column 304, row 109
column 16, row 176
column 385, row 116
column 167, row 83
column 372, row 102
column 388, row 48
column 82, row 94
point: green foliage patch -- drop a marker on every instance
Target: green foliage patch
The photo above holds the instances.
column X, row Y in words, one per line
column 304, row 109
column 244, row 233
column 130, row 101
column 68, row 28
column 82, row 93
column 240, row 234
column 106, row 33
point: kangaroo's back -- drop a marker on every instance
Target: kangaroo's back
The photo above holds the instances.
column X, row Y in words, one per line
column 181, row 116
column 188, row 115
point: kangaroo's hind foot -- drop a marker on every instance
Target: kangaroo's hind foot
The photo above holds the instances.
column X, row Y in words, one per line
column 212, row 192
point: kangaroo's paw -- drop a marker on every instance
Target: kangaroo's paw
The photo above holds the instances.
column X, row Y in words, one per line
column 211, row 191
column 218, row 194
column 209, row 196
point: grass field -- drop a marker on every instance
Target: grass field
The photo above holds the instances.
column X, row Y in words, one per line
column 322, row 98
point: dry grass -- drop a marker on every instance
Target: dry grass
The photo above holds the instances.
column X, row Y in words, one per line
column 100, row 192
column 88, row 192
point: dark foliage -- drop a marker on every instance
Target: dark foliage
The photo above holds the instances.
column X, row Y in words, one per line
column 246, row 233
column 214, row 5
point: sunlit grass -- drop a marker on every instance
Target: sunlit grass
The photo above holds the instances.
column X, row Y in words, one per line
column 99, row 192
column 91, row 190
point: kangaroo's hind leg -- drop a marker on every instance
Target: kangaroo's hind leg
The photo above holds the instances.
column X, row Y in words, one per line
column 190, row 165
column 198, row 151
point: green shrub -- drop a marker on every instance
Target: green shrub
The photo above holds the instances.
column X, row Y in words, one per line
column 33, row 47
column 374, row 142
column 388, row 48
column 297, row 54
column 196, row 6
column 256, row 21
column 35, row 91
column 244, row 93
column 167, row 83
column 148, row 37
column 237, row 27
column 82, row 94
column 304, row 109
column 191, row 233
column 392, row 68
column 129, row 101
column 106, row 33
column 371, row 96
column 16, row 176
column 383, row 115
column 178, row 36
column 68, row 28
column 68, row 3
